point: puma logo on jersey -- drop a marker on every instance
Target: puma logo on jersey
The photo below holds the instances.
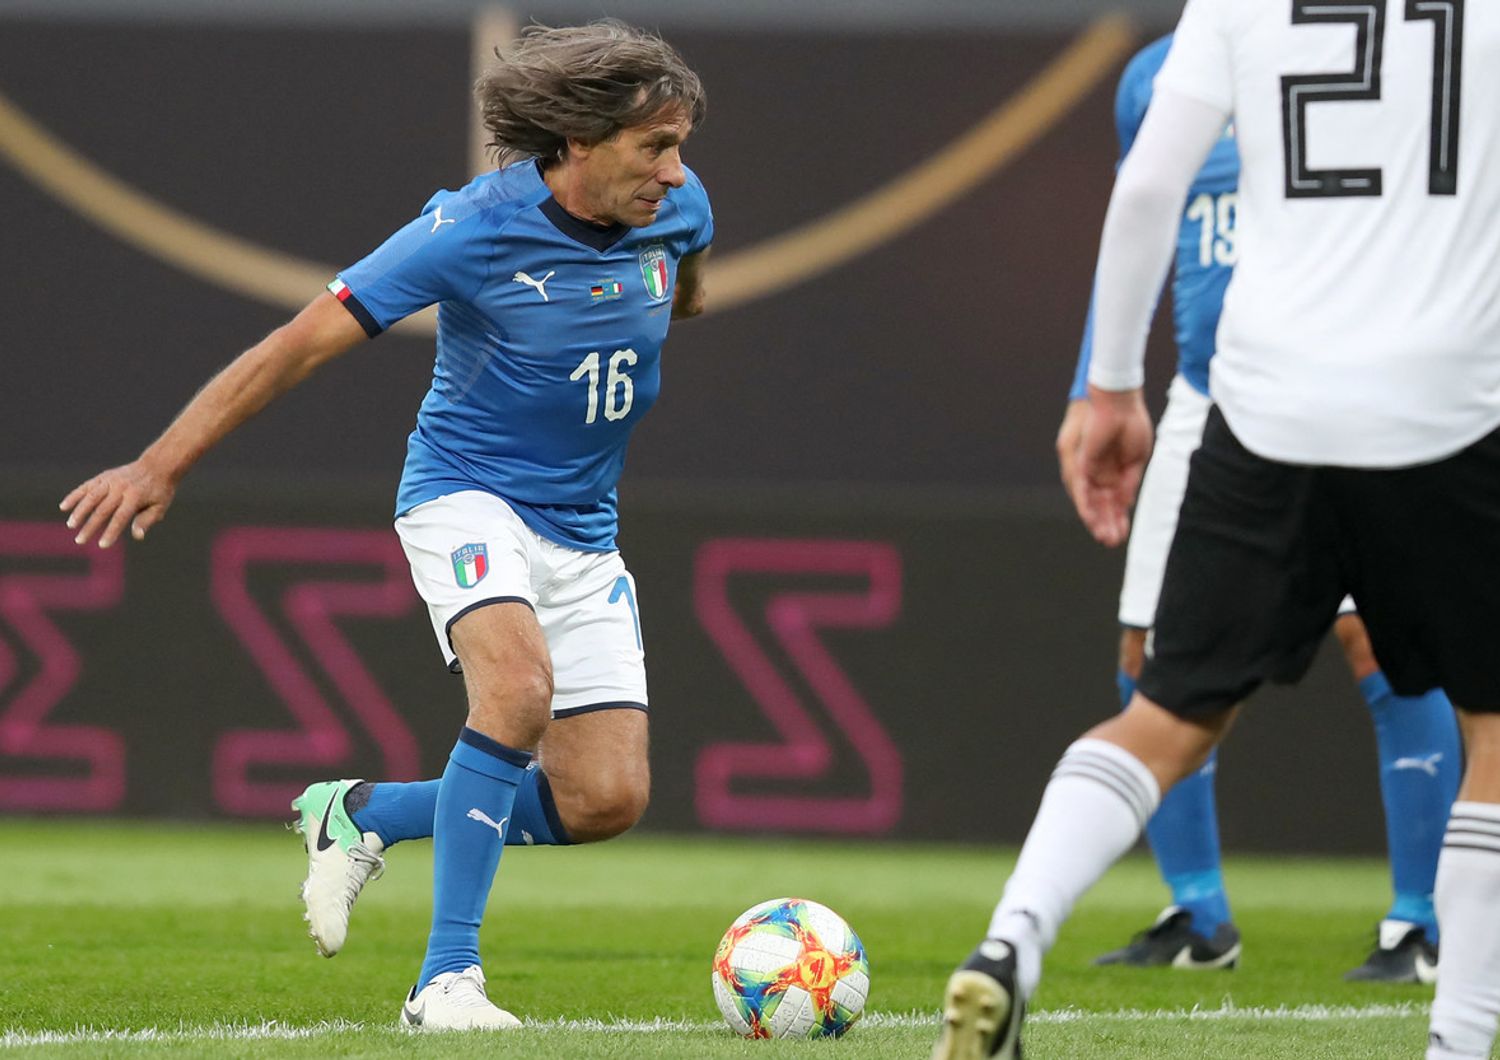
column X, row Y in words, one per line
column 439, row 219
column 1427, row 765
column 521, row 277
column 479, row 815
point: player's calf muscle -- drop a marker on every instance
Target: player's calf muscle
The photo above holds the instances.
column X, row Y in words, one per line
column 1169, row 746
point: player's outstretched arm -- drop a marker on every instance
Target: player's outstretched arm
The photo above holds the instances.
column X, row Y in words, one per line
column 1115, row 446
column 688, row 298
column 138, row 494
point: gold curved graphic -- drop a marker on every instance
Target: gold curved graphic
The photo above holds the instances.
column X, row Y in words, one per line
column 789, row 259
column 282, row 280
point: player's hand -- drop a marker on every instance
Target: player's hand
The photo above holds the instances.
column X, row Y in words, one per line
column 1069, row 439
column 133, row 495
column 1116, row 445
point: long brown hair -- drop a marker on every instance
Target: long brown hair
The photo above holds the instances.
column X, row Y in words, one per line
column 583, row 83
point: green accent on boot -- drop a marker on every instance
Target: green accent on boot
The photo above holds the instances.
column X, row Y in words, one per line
column 322, row 818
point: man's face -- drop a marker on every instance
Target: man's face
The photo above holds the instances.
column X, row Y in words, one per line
column 626, row 178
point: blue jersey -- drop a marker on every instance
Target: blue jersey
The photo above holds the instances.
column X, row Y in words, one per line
column 548, row 343
column 1205, row 240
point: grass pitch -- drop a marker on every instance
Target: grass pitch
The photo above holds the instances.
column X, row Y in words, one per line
column 143, row 940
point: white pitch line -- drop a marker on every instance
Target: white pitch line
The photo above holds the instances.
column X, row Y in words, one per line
column 271, row 1030
column 274, row 1031
column 1230, row 1011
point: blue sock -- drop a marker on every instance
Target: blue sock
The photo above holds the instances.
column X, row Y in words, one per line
column 534, row 820
column 404, row 811
column 399, row 811
column 474, row 804
column 1420, row 766
column 1184, row 837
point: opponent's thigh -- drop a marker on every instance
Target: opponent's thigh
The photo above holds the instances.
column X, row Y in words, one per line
column 1355, row 640
column 1132, row 651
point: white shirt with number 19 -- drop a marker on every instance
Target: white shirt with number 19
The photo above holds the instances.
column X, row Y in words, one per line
column 1362, row 326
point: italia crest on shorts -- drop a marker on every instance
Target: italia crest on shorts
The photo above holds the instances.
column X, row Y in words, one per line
column 470, row 564
column 654, row 271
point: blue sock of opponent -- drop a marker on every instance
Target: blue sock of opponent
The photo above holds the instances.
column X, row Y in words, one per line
column 1420, row 765
column 404, row 811
column 1184, row 837
column 474, row 802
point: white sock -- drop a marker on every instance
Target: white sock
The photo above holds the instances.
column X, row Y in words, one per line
column 1098, row 800
column 1467, row 1006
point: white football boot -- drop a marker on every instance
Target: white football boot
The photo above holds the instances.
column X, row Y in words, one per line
column 455, row 1001
column 340, row 861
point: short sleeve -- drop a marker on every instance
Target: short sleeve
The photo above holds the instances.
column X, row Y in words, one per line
column 1199, row 64
column 697, row 214
column 440, row 256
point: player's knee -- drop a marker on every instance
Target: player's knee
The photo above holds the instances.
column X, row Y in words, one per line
column 608, row 807
column 528, row 687
column 517, row 703
column 1132, row 652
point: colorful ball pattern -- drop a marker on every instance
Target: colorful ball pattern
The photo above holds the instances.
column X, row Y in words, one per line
column 790, row 968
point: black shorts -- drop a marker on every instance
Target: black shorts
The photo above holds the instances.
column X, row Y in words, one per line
column 1265, row 551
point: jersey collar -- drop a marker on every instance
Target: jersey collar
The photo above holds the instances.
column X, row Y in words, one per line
column 599, row 237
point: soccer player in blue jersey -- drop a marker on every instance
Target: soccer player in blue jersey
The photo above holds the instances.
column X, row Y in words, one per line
column 555, row 276
column 1416, row 736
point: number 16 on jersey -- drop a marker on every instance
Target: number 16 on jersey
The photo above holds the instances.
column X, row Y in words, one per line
column 618, row 390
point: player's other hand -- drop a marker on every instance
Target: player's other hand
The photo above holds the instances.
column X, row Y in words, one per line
column 133, row 495
column 1112, row 457
column 1069, row 443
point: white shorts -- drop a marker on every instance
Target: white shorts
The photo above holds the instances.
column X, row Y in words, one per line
column 470, row 549
column 1178, row 436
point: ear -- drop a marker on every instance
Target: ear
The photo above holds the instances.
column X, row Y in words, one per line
column 577, row 149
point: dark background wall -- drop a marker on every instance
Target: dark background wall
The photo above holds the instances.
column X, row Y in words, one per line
column 867, row 608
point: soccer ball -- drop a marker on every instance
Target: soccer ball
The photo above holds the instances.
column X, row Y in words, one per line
column 790, row 968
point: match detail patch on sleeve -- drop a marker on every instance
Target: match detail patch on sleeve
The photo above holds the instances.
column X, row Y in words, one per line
column 340, row 290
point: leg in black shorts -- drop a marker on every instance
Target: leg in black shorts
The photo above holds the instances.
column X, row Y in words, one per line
column 1252, row 583
column 1264, row 552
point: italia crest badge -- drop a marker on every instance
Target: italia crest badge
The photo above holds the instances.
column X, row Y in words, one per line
column 654, row 271
column 470, row 564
